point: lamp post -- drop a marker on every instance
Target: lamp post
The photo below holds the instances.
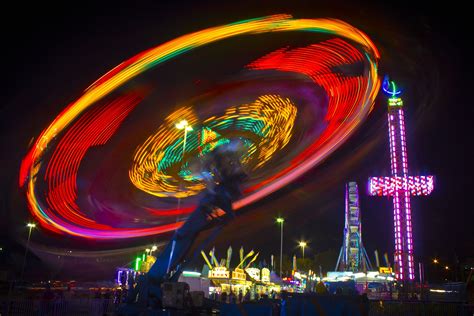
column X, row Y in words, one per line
column 436, row 269
column 302, row 245
column 280, row 221
column 183, row 124
column 30, row 227
column 447, row 272
column 147, row 251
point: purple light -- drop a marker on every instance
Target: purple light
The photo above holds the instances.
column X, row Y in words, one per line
column 415, row 185
column 119, row 275
column 400, row 187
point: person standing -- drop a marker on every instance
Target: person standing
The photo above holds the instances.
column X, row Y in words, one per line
column 224, row 297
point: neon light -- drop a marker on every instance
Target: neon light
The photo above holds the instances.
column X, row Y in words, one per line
column 395, row 102
column 415, row 185
column 269, row 120
column 137, row 263
column 390, row 88
column 192, row 274
column 400, row 186
column 119, row 277
column 70, row 136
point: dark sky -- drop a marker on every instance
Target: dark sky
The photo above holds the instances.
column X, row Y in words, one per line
column 52, row 53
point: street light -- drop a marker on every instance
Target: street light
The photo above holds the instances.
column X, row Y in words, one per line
column 153, row 249
column 183, row 124
column 30, row 227
column 435, row 260
column 302, row 245
column 280, row 221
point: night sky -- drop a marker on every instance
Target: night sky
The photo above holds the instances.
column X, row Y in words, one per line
column 51, row 54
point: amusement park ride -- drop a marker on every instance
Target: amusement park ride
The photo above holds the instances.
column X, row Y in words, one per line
column 291, row 108
column 400, row 186
column 160, row 287
column 352, row 256
column 162, row 278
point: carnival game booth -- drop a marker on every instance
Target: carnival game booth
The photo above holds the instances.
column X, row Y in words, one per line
column 224, row 280
column 253, row 280
column 243, row 278
column 360, row 282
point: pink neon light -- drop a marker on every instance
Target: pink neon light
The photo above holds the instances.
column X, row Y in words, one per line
column 415, row 185
column 400, row 186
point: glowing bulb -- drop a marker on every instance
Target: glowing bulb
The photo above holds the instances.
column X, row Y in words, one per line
column 184, row 125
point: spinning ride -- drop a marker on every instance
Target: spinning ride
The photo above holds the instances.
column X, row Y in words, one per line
column 100, row 171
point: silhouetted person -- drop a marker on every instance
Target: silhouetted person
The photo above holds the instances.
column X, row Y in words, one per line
column 224, row 297
column 232, row 297
column 117, row 296
column 106, row 301
column 321, row 288
column 123, row 279
column 365, row 304
column 247, row 296
column 284, row 298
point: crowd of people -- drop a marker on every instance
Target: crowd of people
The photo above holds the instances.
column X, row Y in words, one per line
column 101, row 300
column 239, row 297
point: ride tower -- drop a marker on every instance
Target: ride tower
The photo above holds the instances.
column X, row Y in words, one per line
column 400, row 186
column 353, row 256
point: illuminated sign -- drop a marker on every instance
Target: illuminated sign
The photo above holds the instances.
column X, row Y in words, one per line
column 265, row 275
column 147, row 263
column 219, row 273
column 386, row 270
column 238, row 274
column 395, row 102
column 254, row 273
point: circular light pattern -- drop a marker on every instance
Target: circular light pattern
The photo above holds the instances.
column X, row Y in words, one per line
column 265, row 126
column 275, row 125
